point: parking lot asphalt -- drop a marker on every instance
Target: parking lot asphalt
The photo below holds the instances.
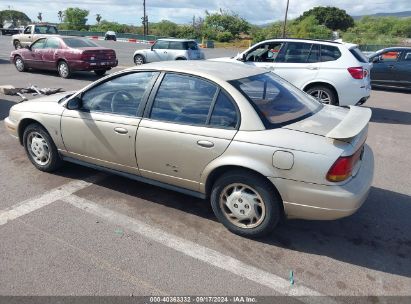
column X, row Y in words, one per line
column 81, row 232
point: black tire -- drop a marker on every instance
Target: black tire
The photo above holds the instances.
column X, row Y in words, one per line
column 139, row 60
column 326, row 91
column 63, row 69
column 54, row 160
column 263, row 188
column 181, row 58
column 17, row 44
column 19, row 64
column 100, row 72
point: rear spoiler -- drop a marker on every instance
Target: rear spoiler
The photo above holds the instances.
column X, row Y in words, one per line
column 356, row 120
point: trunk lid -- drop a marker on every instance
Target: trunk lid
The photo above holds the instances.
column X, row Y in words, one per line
column 334, row 122
column 94, row 53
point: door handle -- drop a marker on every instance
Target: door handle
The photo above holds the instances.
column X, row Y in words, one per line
column 312, row 68
column 120, row 130
column 205, row 143
column 391, row 66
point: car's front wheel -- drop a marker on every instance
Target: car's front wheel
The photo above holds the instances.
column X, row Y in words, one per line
column 63, row 69
column 246, row 203
column 139, row 60
column 40, row 148
column 323, row 94
column 19, row 64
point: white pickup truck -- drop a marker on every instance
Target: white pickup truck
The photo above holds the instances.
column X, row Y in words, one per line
column 31, row 33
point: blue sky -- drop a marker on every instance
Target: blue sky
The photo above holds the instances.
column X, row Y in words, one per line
column 182, row 11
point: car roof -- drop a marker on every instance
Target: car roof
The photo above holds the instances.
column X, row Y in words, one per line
column 209, row 69
column 305, row 40
column 175, row 39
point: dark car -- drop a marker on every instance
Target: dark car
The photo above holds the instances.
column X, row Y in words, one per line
column 66, row 55
column 110, row 35
column 392, row 67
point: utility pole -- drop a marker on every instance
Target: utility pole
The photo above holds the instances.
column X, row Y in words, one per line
column 145, row 19
column 285, row 18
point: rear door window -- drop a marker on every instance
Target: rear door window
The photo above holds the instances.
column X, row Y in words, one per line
column 224, row 113
column 183, row 99
column 191, row 45
column 52, row 43
column 176, row 45
column 329, row 53
column 407, row 56
column 297, row 52
column 314, row 54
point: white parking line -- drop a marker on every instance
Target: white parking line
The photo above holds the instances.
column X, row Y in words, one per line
column 199, row 252
column 45, row 199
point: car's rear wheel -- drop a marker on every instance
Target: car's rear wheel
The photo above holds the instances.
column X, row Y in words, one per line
column 139, row 60
column 63, row 69
column 323, row 94
column 17, row 44
column 19, row 64
column 100, row 72
column 40, row 148
column 246, row 204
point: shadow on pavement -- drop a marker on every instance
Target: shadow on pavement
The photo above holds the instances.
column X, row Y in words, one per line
column 90, row 76
column 391, row 89
column 5, row 106
column 390, row 116
column 3, row 61
column 376, row 237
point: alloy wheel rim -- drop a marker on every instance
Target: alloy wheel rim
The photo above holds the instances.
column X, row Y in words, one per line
column 63, row 69
column 38, row 148
column 242, row 205
column 321, row 96
column 19, row 64
column 138, row 60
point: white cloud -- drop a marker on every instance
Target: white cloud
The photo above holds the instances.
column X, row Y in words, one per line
column 182, row 11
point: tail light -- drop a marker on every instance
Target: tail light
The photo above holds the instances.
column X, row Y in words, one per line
column 343, row 167
column 356, row 72
column 88, row 56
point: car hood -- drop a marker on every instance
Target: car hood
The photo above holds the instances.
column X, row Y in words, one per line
column 335, row 122
column 44, row 105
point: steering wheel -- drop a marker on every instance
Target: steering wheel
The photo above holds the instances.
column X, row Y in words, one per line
column 115, row 101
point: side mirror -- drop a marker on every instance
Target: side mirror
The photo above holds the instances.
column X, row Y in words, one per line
column 27, row 47
column 243, row 57
column 151, row 47
column 74, row 103
column 375, row 59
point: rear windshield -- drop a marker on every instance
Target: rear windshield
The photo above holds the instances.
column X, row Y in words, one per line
column 358, row 55
column 277, row 102
column 79, row 43
column 45, row 29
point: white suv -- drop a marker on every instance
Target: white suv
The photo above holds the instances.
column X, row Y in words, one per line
column 333, row 72
column 169, row 49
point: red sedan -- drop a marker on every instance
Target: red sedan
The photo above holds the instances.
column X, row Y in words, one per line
column 66, row 55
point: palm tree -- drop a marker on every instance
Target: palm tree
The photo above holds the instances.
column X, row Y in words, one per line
column 98, row 18
column 60, row 14
column 40, row 17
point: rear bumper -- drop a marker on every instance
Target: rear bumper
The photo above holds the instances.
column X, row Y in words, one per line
column 80, row 65
column 322, row 202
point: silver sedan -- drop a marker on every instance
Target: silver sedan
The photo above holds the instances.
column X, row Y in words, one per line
column 253, row 145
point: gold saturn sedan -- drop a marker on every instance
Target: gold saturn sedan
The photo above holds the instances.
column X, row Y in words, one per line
column 252, row 144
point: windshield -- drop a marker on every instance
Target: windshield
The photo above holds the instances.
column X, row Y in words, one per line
column 79, row 43
column 277, row 102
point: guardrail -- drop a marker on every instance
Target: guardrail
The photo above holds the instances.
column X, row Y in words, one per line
column 102, row 34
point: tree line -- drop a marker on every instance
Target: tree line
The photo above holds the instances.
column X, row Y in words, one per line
column 225, row 26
